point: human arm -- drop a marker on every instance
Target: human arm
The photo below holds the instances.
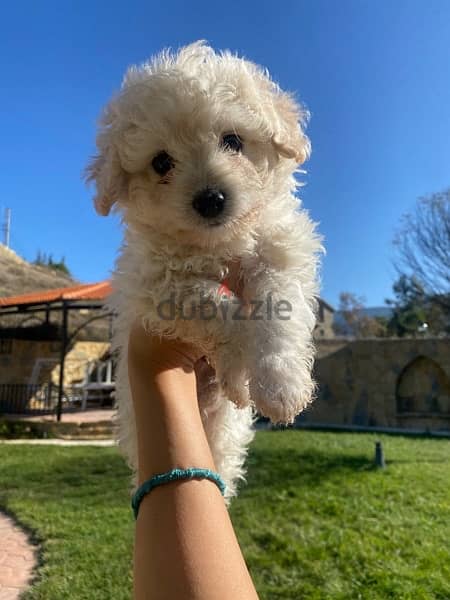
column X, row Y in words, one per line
column 185, row 545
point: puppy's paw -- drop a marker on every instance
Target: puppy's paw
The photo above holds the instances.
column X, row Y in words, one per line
column 280, row 388
column 236, row 390
column 232, row 375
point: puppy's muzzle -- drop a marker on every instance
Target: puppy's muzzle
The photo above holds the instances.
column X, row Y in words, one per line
column 209, row 203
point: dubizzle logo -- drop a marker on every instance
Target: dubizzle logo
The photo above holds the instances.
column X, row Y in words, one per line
column 188, row 307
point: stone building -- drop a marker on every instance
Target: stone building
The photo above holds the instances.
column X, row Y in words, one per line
column 394, row 382
column 35, row 362
column 325, row 317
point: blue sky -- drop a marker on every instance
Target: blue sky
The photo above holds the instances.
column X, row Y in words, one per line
column 375, row 76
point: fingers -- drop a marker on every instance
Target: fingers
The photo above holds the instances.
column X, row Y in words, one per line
column 155, row 354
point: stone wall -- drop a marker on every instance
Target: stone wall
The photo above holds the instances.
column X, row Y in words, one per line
column 324, row 324
column 375, row 382
column 25, row 361
column 382, row 382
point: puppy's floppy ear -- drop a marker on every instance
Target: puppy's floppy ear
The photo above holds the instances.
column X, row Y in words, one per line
column 290, row 140
column 106, row 172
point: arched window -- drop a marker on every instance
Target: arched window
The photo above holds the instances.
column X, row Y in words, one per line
column 423, row 388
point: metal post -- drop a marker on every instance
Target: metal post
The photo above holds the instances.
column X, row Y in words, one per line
column 379, row 455
column 61, row 361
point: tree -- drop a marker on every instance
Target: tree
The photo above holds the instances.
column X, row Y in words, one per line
column 44, row 260
column 414, row 312
column 355, row 321
column 422, row 245
column 408, row 316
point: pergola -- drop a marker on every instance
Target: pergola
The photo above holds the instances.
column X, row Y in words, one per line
column 90, row 296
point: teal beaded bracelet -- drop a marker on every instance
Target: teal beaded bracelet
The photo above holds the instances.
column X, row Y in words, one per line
column 174, row 475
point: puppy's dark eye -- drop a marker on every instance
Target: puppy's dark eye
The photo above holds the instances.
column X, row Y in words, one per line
column 162, row 163
column 231, row 141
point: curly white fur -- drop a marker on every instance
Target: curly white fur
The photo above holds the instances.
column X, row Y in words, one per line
column 183, row 104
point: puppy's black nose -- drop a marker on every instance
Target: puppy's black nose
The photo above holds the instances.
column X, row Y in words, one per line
column 209, row 203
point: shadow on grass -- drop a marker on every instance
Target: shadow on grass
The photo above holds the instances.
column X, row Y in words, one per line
column 404, row 461
column 100, row 477
column 443, row 436
column 276, row 467
column 93, row 477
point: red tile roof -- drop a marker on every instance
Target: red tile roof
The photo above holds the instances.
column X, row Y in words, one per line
column 85, row 291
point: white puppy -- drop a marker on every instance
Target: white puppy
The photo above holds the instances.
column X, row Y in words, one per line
column 198, row 152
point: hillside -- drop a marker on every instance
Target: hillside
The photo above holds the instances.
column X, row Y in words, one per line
column 17, row 276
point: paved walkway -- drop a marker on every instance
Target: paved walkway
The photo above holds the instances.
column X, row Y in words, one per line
column 79, row 416
column 17, row 554
column 17, row 559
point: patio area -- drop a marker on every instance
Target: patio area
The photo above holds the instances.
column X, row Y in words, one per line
column 93, row 415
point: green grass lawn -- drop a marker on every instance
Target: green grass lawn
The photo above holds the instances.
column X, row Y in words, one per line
column 315, row 520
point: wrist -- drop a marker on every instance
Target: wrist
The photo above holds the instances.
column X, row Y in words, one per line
column 169, row 428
